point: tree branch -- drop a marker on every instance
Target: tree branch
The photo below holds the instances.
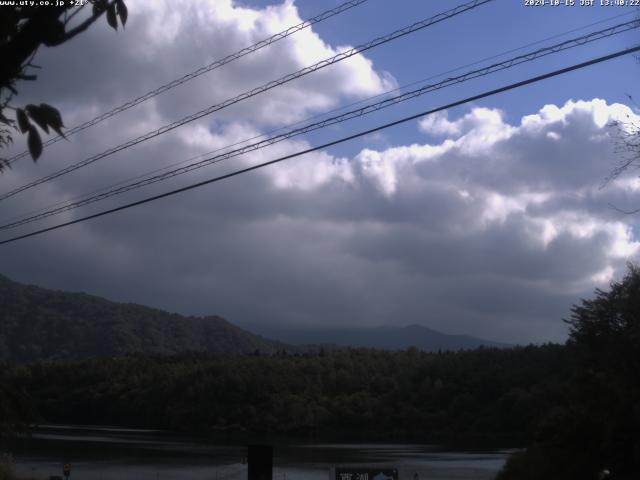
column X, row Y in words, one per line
column 78, row 10
column 83, row 26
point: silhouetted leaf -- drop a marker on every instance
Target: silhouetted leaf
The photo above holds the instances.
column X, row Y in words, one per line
column 111, row 17
column 37, row 115
column 34, row 142
column 52, row 117
column 5, row 120
column 122, row 11
column 23, row 121
column 99, row 6
column 53, row 32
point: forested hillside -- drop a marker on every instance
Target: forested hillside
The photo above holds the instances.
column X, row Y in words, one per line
column 486, row 396
column 575, row 405
column 41, row 324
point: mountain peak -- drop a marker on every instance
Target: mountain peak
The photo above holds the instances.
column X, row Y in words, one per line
column 41, row 324
column 385, row 337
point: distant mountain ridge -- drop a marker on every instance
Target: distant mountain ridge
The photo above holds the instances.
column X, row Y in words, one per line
column 385, row 337
column 41, row 324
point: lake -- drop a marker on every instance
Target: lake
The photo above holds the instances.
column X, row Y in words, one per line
column 111, row 453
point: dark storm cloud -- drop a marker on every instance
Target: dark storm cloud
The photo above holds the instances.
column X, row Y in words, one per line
column 482, row 227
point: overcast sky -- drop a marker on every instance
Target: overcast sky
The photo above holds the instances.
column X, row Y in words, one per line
column 489, row 219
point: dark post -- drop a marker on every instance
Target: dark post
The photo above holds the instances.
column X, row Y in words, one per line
column 260, row 462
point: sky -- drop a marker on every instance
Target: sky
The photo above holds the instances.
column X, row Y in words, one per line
column 490, row 219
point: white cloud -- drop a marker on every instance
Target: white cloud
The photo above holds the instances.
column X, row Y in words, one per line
column 481, row 226
column 603, row 277
column 500, row 191
column 310, row 172
column 479, row 128
column 600, row 112
column 165, row 39
column 438, row 124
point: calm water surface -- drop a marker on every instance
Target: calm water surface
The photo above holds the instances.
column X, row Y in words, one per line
column 103, row 453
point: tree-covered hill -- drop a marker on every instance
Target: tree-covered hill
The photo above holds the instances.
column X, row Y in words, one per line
column 41, row 324
column 576, row 405
column 481, row 397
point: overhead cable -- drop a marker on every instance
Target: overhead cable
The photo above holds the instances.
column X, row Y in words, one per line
column 312, row 117
column 520, row 59
column 200, row 71
column 329, row 144
column 251, row 93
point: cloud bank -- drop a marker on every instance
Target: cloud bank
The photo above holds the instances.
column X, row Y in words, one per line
column 481, row 226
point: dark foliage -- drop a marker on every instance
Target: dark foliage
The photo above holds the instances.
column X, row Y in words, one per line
column 41, row 324
column 576, row 405
column 481, row 397
column 23, row 30
column 16, row 408
column 597, row 427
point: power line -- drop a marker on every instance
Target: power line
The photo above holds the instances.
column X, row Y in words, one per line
column 343, row 107
column 605, row 33
column 200, row 71
column 334, row 142
column 300, row 122
column 319, row 115
column 518, row 60
column 312, row 117
column 268, row 86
